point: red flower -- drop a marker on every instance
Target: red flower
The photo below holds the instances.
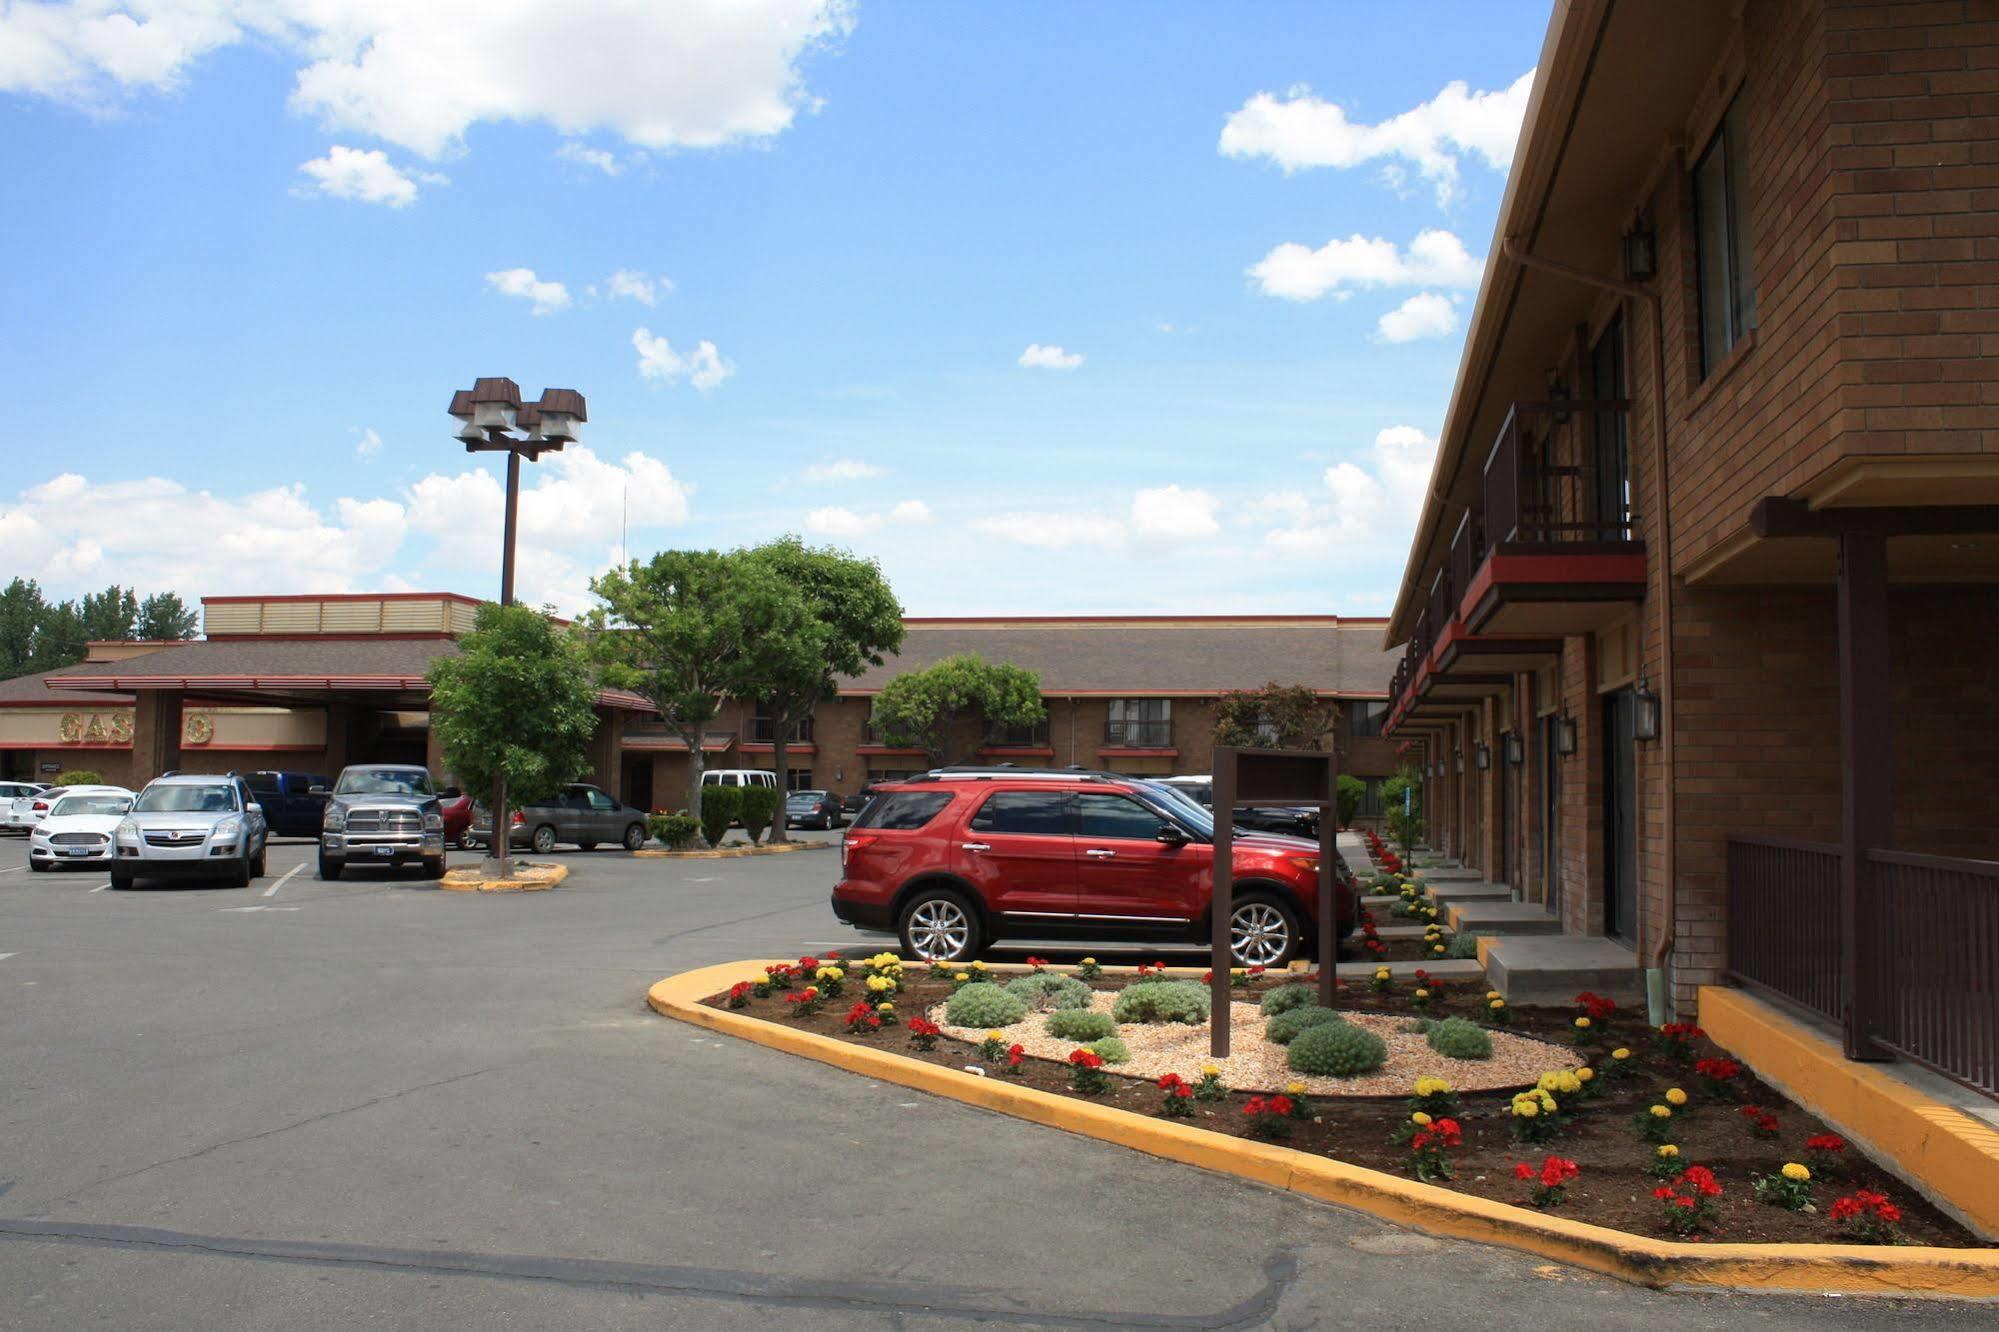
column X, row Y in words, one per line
column 1825, row 1142
column 1681, row 1031
column 1760, row 1121
column 808, row 963
column 1557, row 1171
column 1171, row 1081
column 1255, row 1106
column 1598, row 1007
column 1015, row 1054
column 1208, row 977
column 1721, row 1070
column 1663, row 1192
column 1256, row 971
column 923, row 1027
column 1522, row 1170
column 1280, row 1105
column 1702, row 1180
column 1081, row 1058
column 739, row 989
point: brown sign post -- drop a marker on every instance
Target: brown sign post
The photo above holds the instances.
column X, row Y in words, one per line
column 1269, row 777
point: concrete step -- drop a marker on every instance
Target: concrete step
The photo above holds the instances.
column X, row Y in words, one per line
column 1450, row 876
column 1457, row 969
column 1447, row 894
column 1540, row 970
column 1484, row 918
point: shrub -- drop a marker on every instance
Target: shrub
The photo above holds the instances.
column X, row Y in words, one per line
column 1162, row 1001
column 1462, row 945
column 1111, row 1050
column 1081, row 1025
column 1047, row 990
column 983, row 1004
column 719, row 807
column 1418, row 1026
column 675, row 831
column 1337, row 1050
column 758, row 808
column 1284, row 1028
column 1287, row 997
column 1455, row 1038
column 79, row 777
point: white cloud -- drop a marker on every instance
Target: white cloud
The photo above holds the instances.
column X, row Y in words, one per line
column 1053, row 531
column 1170, row 514
column 369, row 444
column 1357, row 505
column 703, row 367
column 1051, row 357
column 846, row 469
column 366, row 176
column 1424, row 315
column 584, row 155
column 421, row 75
column 631, row 284
column 838, row 521
column 1160, row 517
column 548, row 297
column 1299, row 273
column 1301, row 131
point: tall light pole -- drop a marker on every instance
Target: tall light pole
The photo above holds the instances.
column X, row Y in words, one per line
column 489, row 413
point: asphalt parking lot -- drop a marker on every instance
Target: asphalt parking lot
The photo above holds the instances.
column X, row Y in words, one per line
column 305, row 1104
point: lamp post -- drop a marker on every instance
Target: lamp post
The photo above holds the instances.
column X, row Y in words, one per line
column 489, row 413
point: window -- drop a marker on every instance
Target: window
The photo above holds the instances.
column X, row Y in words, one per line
column 1721, row 240
column 1139, row 723
column 1364, row 717
column 903, row 811
column 763, row 731
column 598, row 800
column 1044, row 813
column 798, row 779
column 1003, row 736
column 1370, row 800
column 1613, row 454
column 1107, row 817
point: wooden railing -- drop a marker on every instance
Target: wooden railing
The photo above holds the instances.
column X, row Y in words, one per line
column 1784, row 923
column 1931, row 974
column 1541, row 482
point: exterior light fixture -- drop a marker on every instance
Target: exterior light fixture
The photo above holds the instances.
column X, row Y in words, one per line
column 1641, row 251
column 1458, row 761
column 1644, row 712
column 1516, row 753
column 1559, row 399
column 1565, row 736
column 1482, row 756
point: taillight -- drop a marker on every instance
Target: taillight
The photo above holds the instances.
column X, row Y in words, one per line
column 41, row 807
column 853, row 842
column 520, row 817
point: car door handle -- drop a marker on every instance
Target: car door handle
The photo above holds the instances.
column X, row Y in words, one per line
column 975, row 846
column 1099, row 853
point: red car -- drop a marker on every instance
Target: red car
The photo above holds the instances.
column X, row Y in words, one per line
column 956, row 859
column 456, row 807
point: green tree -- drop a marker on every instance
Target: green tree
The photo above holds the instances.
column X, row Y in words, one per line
column 1402, row 801
column 21, row 611
column 1277, row 716
column 164, row 617
column 1352, row 791
column 60, row 637
column 514, row 710
column 917, row 709
column 689, row 628
column 854, row 623
column 110, row 615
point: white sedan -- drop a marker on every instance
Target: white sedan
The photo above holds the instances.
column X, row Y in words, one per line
column 78, row 826
column 15, row 797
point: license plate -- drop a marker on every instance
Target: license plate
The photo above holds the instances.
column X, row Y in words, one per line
column 385, row 850
column 76, row 850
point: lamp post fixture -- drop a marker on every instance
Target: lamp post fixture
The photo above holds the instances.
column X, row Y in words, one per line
column 489, row 413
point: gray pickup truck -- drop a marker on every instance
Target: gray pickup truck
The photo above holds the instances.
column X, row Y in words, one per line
column 381, row 814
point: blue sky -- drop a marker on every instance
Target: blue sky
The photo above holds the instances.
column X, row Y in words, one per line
column 255, row 244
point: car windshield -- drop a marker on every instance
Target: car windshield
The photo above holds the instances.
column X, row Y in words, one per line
column 185, row 798
column 806, row 797
column 1183, row 808
column 71, row 806
column 384, row 781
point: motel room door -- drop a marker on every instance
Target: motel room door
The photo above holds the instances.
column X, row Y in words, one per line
column 1620, row 815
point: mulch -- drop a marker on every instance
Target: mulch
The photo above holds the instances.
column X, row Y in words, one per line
column 1613, row 1188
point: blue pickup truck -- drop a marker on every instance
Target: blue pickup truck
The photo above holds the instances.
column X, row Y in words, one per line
column 290, row 807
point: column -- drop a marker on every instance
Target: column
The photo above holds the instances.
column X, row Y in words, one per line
column 156, row 723
column 1866, row 758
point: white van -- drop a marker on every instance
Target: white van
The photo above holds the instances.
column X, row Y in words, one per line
column 739, row 777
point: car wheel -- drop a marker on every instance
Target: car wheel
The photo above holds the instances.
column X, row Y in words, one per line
column 1264, row 931
column 433, row 869
column 544, row 840
column 120, row 882
column 329, row 869
column 257, row 865
column 38, row 866
column 939, row 925
column 635, row 837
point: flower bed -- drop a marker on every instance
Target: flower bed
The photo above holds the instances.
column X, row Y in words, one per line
column 1729, row 1159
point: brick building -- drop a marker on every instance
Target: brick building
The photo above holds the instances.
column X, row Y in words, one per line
column 1699, row 611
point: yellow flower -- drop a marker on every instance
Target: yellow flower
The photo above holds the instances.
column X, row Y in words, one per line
column 961, row 976
column 1494, row 994
column 1668, row 1150
column 1662, row 1112
column 1089, row 961
column 884, row 1008
column 1419, row 1118
column 978, row 966
column 1438, row 949
column 1238, row 971
column 1676, row 1096
column 1567, row 1084
column 1497, row 1004
column 1422, row 994
column 829, row 973
column 1794, row 1171
column 1620, row 1053
column 1585, row 1073
column 1294, row 1089
column 1381, row 973
column 996, row 1035
column 1526, row 1109
column 1547, row 1081
column 1210, row 1071
column 1582, row 1024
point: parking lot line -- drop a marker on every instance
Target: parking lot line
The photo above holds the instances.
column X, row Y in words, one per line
column 100, row 887
column 13, row 869
column 272, row 891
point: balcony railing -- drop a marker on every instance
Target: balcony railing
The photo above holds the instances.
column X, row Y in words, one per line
column 1543, row 482
column 1138, row 734
column 763, row 731
column 1783, row 921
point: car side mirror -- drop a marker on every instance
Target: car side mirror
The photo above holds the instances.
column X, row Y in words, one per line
column 316, row 790
column 1171, row 835
column 254, row 808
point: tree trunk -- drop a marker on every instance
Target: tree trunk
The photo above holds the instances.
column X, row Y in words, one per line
column 500, row 864
column 697, row 763
column 780, row 741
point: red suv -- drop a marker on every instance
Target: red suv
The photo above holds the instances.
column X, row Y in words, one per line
column 954, row 860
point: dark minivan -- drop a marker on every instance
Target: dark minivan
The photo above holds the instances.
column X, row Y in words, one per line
column 290, row 807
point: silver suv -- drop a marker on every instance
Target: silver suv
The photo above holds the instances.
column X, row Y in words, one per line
column 191, row 827
column 381, row 814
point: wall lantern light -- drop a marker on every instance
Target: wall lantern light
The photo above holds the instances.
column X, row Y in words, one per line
column 1645, row 712
column 1459, row 761
column 1641, row 251
column 1482, row 756
column 1565, row 736
column 1516, row 753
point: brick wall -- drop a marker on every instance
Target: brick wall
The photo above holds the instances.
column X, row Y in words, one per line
column 1946, row 720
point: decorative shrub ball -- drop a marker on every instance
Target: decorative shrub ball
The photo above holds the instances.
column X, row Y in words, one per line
column 1417, row 1026
column 1111, row 1050
column 1081, row 1025
column 983, row 1004
column 1455, row 1038
column 1337, row 1050
column 1050, row 991
column 1287, row 997
column 1284, row 1028
column 1463, row 945
column 1162, row 1001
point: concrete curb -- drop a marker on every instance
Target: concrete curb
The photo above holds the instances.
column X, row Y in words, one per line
column 1819, row 1268
column 543, row 878
column 731, row 852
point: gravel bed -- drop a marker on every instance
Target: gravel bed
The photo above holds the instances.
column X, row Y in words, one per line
column 1159, row 1048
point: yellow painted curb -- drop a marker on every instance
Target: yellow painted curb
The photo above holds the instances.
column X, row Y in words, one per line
column 1951, row 1156
column 527, row 879
column 731, row 852
column 1822, row 1268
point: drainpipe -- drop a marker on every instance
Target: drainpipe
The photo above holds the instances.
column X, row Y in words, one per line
column 1658, row 992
